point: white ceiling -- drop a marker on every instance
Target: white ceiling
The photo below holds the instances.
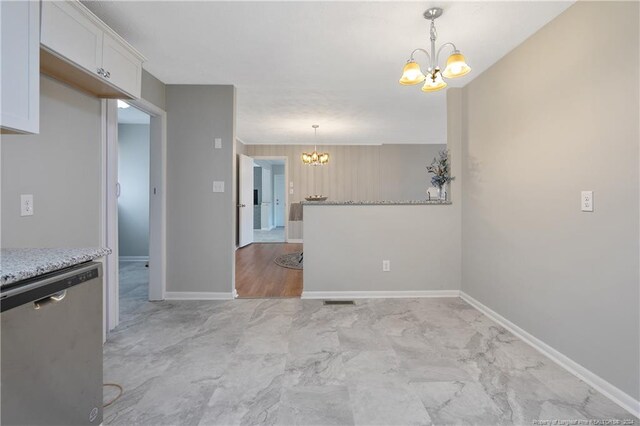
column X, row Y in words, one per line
column 132, row 115
column 336, row 64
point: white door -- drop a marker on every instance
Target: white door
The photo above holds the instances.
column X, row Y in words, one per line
column 279, row 199
column 245, row 201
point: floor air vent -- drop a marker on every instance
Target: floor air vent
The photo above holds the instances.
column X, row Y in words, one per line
column 339, row 302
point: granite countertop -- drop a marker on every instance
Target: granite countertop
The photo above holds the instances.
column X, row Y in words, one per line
column 17, row 264
column 374, row 203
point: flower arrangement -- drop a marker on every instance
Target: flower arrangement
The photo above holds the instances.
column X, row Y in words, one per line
column 440, row 169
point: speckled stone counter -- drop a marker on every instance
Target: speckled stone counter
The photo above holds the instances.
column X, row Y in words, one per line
column 18, row 264
column 375, row 203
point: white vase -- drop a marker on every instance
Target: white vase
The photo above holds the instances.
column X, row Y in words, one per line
column 442, row 192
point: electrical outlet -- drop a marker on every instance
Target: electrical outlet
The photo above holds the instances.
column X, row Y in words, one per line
column 291, row 191
column 587, row 201
column 217, row 143
column 386, row 265
column 26, row 205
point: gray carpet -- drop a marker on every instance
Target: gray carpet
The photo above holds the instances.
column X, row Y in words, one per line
column 290, row 260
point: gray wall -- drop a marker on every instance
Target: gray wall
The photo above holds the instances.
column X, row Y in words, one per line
column 63, row 172
column 60, row 167
column 153, row 90
column 534, row 140
column 344, row 247
column 403, row 173
column 423, row 243
column 356, row 172
column 133, row 203
column 200, row 224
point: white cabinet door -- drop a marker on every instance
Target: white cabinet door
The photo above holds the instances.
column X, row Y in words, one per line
column 69, row 33
column 20, row 66
column 122, row 69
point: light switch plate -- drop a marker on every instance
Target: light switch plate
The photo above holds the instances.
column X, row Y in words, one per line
column 26, row 205
column 386, row 265
column 217, row 143
column 218, row 186
column 291, row 191
column 587, row 201
column 291, row 184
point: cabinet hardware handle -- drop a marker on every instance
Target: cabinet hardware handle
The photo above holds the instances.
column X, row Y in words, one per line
column 107, row 74
column 58, row 297
column 100, row 71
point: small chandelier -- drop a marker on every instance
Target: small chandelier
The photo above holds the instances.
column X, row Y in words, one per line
column 456, row 64
column 315, row 158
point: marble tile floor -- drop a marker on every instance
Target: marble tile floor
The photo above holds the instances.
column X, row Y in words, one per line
column 275, row 235
column 134, row 287
column 291, row 361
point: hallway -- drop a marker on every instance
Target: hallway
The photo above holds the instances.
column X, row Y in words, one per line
column 275, row 235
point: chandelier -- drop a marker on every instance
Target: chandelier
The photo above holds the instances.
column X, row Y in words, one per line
column 456, row 65
column 315, row 158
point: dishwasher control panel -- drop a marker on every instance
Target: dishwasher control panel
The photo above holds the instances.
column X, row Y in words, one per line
column 47, row 285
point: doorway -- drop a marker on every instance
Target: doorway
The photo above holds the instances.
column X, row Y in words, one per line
column 133, row 207
column 267, row 265
column 268, row 201
column 152, row 280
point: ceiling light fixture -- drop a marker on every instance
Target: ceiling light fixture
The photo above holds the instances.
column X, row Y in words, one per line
column 315, row 158
column 123, row 104
column 434, row 81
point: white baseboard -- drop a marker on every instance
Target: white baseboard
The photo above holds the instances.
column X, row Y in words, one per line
column 133, row 258
column 378, row 294
column 294, row 240
column 615, row 394
column 197, row 295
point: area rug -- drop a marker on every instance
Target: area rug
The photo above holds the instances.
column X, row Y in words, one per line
column 290, row 260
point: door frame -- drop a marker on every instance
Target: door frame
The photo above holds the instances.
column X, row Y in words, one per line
column 157, row 204
column 286, row 188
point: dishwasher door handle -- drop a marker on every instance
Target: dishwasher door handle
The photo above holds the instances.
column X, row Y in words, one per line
column 54, row 298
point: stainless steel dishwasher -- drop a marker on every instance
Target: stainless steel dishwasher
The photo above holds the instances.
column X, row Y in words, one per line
column 52, row 349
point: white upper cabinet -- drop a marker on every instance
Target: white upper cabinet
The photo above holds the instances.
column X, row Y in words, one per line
column 123, row 69
column 68, row 32
column 77, row 44
column 20, row 66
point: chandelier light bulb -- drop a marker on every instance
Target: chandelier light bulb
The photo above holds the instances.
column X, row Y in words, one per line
column 411, row 74
column 456, row 66
column 434, row 82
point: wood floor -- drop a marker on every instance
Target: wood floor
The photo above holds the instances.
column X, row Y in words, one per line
column 257, row 275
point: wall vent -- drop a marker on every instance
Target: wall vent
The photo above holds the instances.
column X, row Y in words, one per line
column 339, row 302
